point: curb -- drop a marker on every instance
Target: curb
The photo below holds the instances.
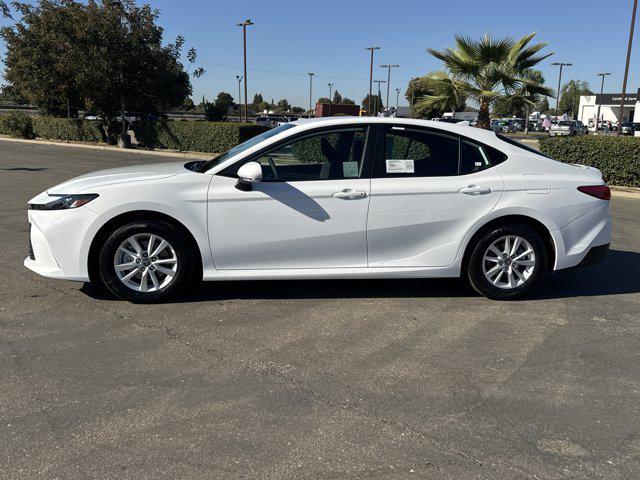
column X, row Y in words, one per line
column 625, row 192
column 108, row 148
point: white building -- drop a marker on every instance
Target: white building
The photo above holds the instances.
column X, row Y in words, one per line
column 609, row 107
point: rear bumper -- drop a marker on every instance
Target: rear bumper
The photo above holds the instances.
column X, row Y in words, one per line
column 594, row 256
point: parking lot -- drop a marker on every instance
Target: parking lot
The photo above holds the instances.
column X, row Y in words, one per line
column 316, row 379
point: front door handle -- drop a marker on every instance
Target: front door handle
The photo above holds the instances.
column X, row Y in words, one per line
column 348, row 193
column 475, row 190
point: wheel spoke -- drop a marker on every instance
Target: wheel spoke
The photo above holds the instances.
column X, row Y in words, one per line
column 512, row 278
column 166, row 271
column 493, row 270
column 128, row 252
column 527, row 263
column 165, row 260
column 152, row 240
column 126, row 266
column 507, row 245
column 495, row 251
column 497, row 279
column 523, row 254
column 143, row 281
column 154, row 279
column 136, row 246
column 520, row 276
column 162, row 246
column 129, row 275
column 516, row 245
column 491, row 259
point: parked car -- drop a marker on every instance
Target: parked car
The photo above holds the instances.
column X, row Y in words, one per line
column 327, row 199
column 503, row 126
column 565, row 127
column 629, row 128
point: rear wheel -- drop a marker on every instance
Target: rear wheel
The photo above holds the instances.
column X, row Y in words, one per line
column 507, row 262
column 146, row 262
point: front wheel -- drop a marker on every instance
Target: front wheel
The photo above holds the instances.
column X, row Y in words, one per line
column 507, row 262
column 146, row 262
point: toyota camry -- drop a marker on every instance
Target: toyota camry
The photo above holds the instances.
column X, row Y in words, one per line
column 325, row 199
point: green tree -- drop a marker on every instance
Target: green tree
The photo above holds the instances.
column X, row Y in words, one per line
column 416, row 90
column 257, row 100
column 570, row 94
column 347, row 101
column 283, row 105
column 297, row 110
column 444, row 93
column 376, row 103
column 324, row 100
column 487, row 70
column 543, row 105
column 337, row 98
column 66, row 55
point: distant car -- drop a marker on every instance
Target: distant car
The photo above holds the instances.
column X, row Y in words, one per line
column 265, row 121
column 582, row 128
column 503, row 126
column 328, row 199
column 565, row 127
column 629, row 128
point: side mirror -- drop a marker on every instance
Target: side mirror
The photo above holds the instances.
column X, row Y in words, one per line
column 248, row 173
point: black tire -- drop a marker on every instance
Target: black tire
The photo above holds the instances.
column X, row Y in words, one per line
column 184, row 269
column 475, row 272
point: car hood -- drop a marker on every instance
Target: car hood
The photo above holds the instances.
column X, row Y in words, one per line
column 135, row 173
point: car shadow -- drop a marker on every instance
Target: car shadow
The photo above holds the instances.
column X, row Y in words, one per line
column 616, row 275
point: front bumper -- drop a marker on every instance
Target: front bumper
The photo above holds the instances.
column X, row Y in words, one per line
column 58, row 246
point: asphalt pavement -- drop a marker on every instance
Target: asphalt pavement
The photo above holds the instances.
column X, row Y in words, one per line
column 316, row 379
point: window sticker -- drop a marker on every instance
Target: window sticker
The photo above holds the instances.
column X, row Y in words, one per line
column 350, row 169
column 400, row 166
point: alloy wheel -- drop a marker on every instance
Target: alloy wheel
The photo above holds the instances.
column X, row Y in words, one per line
column 145, row 262
column 509, row 262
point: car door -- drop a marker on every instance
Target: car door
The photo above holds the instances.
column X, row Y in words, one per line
column 309, row 210
column 428, row 189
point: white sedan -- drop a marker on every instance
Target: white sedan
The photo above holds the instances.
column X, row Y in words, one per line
column 326, row 199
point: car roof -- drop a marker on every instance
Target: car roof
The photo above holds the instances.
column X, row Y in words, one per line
column 456, row 128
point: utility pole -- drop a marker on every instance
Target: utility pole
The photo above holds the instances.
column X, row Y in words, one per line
column 330, row 99
column 372, row 48
column 244, row 26
column 397, row 97
column 378, row 96
column 311, row 74
column 560, row 64
column 239, row 79
column 388, row 67
column 626, row 68
column 600, row 102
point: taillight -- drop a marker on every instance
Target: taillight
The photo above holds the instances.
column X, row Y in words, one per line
column 599, row 191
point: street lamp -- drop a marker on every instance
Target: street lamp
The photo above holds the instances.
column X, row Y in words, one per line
column 330, row 88
column 560, row 64
column 600, row 102
column 397, row 96
column 388, row 67
column 244, row 26
column 371, row 75
column 626, row 68
column 311, row 74
column 239, row 79
column 379, row 95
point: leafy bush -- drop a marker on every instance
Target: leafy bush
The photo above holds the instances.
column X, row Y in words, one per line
column 617, row 157
column 17, row 125
column 68, row 129
column 210, row 137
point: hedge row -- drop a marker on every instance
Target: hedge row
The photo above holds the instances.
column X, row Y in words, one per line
column 618, row 158
column 194, row 136
column 209, row 137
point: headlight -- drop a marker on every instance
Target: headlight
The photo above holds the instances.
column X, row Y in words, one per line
column 63, row 202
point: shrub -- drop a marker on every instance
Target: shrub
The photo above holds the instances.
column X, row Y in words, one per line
column 210, row 137
column 68, row 129
column 618, row 158
column 16, row 125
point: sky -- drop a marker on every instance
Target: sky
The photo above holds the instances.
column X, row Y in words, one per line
column 291, row 38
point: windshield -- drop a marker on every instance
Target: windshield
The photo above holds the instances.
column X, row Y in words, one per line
column 565, row 123
column 244, row 146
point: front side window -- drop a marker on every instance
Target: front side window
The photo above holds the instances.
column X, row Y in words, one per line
column 330, row 155
column 416, row 153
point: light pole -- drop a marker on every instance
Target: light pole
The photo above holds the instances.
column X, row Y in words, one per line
column 388, row 67
column 626, row 68
column 239, row 79
column 330, row 88
column 371, row 75
column 560, row 64
column 600, row 102
column 379, row 95
column 311, row 74
column 244, row 26
column 397, row 97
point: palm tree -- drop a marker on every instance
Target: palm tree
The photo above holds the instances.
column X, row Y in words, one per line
column 488, row 70
column 446, row 93
column 529, row 93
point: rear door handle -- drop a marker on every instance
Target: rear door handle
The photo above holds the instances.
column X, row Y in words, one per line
column 348, row 193
column 475, row 190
